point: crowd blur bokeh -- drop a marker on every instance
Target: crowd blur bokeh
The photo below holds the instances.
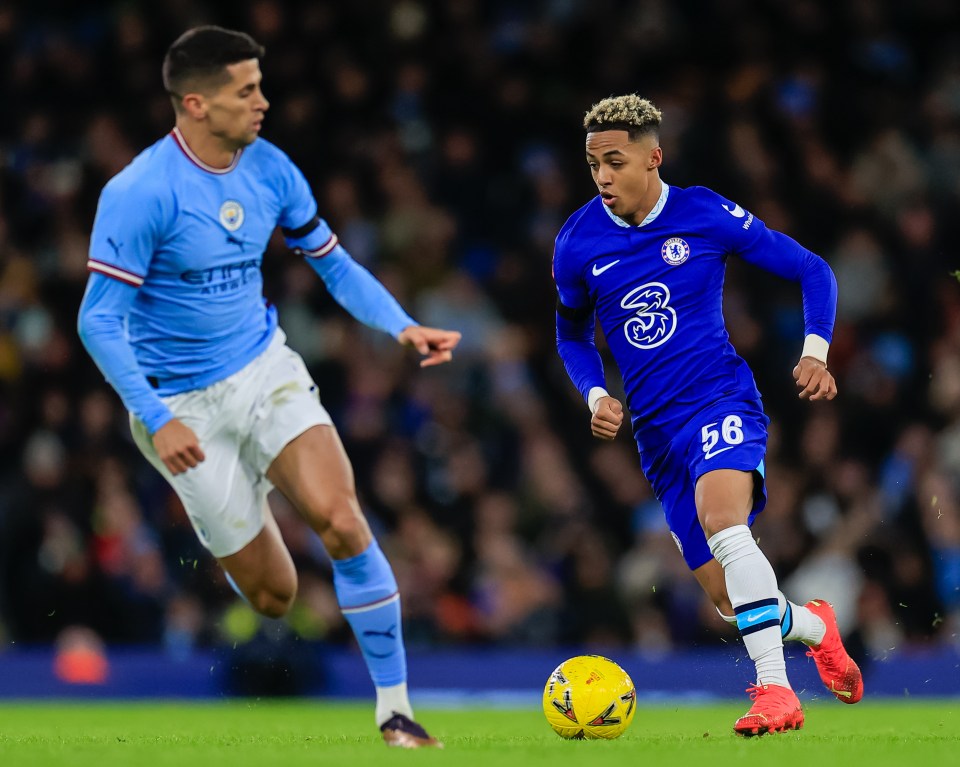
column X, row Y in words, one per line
column 443, row 141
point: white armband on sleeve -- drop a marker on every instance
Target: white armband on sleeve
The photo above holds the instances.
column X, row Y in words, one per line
column 594, row 396
column 816, row 347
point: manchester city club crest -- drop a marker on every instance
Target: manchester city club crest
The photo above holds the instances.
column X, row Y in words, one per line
column 675, row 251
column 231, row 215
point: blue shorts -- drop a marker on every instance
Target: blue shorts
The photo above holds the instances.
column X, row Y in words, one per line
column 728, row 435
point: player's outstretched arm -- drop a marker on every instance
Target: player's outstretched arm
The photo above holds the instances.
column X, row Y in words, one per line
column 814, row 380
column 177, row 446
column 607, row 418
column 434, row 344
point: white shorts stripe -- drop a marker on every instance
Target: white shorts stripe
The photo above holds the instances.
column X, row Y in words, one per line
column 371, row 605
column 118, row 274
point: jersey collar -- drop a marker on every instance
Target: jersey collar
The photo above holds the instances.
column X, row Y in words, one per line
column 185, row 148
column 655, row 211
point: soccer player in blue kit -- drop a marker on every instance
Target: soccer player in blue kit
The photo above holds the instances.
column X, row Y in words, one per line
column 647, row 260
column 174, row 316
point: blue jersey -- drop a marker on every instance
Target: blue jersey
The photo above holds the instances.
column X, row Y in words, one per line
column 175, row 299
column 657, row 291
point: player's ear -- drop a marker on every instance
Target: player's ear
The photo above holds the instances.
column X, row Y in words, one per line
column 656, row 157
column 195, row 105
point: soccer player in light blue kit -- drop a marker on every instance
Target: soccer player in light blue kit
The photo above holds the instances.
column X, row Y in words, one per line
column 647, row 260
column 175, row 318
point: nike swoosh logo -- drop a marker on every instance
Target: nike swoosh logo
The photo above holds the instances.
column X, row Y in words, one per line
column 755, row 618
column 708, row 456
column 597, row 272
column 736, row 211
column 835, row 691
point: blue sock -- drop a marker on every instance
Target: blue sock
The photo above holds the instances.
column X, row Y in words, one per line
column 368, row 597
column 235, row 587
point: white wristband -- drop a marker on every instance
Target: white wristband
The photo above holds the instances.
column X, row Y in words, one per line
column 816, row 347
column 594, row 396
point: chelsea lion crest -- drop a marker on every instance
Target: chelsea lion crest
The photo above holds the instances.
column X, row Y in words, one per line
column 231, row 215
column 675, row 251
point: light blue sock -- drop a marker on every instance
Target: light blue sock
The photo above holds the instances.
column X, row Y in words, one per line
column 368, row 597
column 235, row 587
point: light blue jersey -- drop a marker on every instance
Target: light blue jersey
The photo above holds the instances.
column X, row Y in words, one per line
column 175, row 299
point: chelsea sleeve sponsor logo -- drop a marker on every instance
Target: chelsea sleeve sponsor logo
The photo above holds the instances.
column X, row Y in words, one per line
column 231, row 215
column 654, row 320
column 675, row 251
column 736, row 211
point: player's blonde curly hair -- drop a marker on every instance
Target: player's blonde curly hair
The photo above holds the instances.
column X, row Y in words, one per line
column 636, row 115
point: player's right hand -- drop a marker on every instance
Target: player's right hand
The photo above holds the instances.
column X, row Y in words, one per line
column 177, row 446
column 606, row 418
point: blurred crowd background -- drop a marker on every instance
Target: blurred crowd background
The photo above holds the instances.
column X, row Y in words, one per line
column 443, row 141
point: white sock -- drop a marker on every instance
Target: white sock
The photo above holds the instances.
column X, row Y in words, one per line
column 731, row 619
column 393, row 700
column 752, row 588
column 797, row 622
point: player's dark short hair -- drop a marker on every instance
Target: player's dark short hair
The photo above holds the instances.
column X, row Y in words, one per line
column 199, row 58
column 631, row 113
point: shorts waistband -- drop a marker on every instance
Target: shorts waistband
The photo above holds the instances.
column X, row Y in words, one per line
column 184, row 384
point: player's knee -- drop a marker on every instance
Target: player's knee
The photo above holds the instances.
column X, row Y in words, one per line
column 341, row 525
column 348, row 528
column 273, row 603
column 714, row 521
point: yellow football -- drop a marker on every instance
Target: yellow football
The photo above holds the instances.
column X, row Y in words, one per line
column 589, row 696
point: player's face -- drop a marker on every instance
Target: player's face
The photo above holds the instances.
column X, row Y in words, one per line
column 235, row 111
column 625, row 172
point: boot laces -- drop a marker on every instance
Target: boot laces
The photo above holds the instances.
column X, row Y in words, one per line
column 834, row 655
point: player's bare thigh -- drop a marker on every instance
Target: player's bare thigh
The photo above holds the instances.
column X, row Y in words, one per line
column 724, row 498
column 315, row 475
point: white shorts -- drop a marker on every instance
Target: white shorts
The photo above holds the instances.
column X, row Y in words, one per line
column 242, row 422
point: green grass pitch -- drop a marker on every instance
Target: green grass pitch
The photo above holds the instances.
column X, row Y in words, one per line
column 293, row 733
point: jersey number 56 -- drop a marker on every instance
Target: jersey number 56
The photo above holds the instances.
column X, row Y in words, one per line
column 730, row 431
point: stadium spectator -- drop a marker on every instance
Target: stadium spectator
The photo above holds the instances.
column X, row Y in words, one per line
column 463, row 111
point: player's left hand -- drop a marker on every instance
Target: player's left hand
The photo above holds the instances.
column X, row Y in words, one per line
column 434, row 344
column 814, row 380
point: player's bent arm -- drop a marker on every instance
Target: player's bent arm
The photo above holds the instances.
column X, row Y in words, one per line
column 782, row 255
column 359, row 292
column 100, row 324
column 577, row 348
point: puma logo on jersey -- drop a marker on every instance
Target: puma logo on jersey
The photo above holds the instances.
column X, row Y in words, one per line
column 115, row 245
